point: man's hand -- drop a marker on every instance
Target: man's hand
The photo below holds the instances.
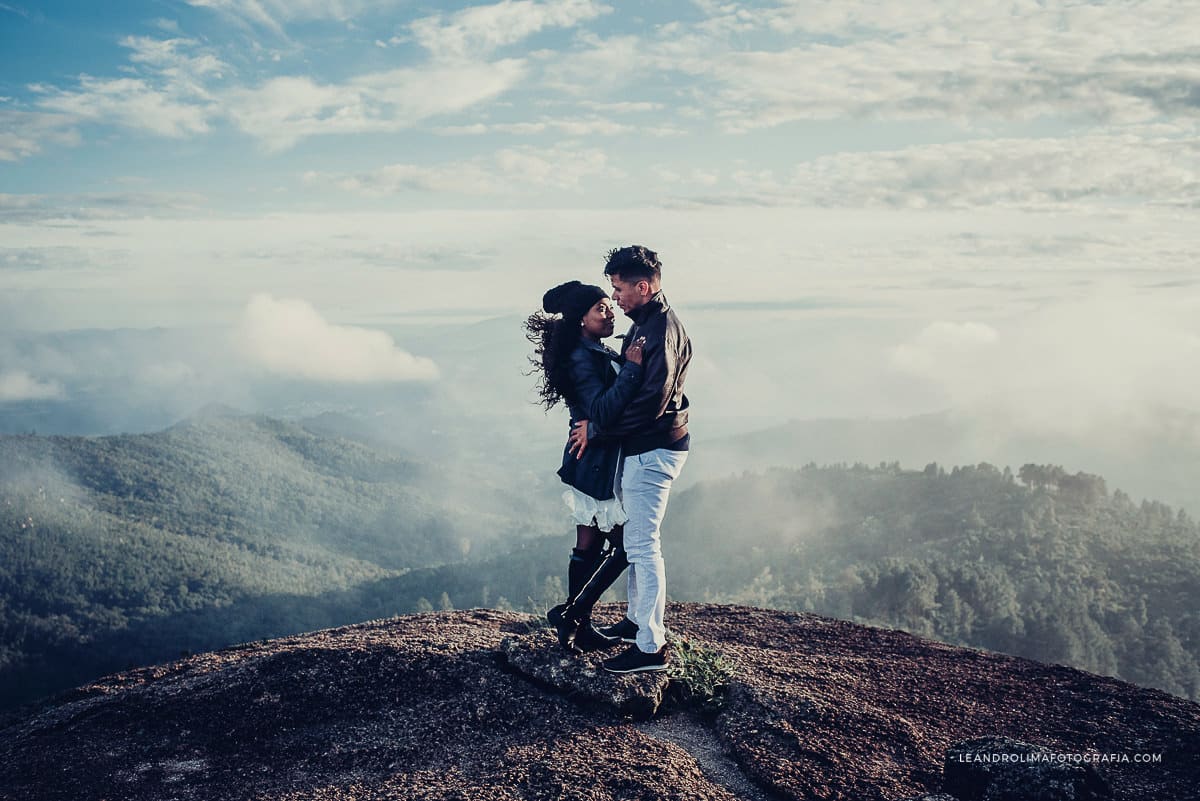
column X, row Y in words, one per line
column 579, row 439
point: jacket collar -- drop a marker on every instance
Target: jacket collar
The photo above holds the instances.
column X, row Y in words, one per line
column 599, row 347
column 655, row 305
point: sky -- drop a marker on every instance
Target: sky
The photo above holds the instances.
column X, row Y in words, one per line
column 862, row 208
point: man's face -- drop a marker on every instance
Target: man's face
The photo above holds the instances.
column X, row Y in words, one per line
column 629, row 294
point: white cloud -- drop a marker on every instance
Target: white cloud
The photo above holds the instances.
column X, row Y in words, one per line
column 624, row 107
column 479, row 129
column 25, row 133
column 973, row 64
column 508, row 171
column 287, row 109
column 173, row 63
column 18, row 385
column 175, row 91
column 274, row 15
column 417, row 93
column 168, row 95
column 96, row 206
column 568, row 126
column 129, row 102
column 939, row 342
column 1078, row 365
column 1121, row 62
column 1098, row 171
column 289, row 337
column 483, row 29
column 14, row 10
column 603, row 65
column 252, row 12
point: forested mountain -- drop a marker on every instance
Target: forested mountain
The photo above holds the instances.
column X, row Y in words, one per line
column 120, row 551
column 1042, row 564
column 100, row 536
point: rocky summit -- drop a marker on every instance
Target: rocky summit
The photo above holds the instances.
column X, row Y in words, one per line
column 484, row 705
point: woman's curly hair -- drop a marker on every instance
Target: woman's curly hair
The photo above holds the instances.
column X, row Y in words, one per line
column 554, row 332
column 553, row 340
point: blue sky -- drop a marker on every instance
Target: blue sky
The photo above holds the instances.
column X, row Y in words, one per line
column 983, row 190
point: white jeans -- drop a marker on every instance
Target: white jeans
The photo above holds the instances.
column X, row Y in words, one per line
column 645, row 484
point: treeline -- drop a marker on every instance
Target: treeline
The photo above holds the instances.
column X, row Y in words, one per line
column 1045, row 564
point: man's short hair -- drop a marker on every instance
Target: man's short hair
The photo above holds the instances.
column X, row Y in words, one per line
column 634, row 262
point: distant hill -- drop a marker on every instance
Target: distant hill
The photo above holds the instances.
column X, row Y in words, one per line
column 483, row 704
column 100, row 536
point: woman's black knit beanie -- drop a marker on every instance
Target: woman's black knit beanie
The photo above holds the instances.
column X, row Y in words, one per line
column 572, row 299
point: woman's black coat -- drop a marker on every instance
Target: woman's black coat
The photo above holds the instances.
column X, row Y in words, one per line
column 601, row 394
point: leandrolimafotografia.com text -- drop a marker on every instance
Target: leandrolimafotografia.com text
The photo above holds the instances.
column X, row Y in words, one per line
column 1060, row 759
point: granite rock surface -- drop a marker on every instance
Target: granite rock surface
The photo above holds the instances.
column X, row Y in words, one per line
column 480, row 704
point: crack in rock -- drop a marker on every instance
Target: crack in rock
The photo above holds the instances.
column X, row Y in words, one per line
column 537, row 657
column 688, row 731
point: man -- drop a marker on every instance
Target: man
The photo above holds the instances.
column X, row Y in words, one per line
column 654, row 441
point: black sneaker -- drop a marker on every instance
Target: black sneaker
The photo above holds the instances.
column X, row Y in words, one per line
column 625, row 631
column 588, row 639
column 565, row 627
column 635, row 660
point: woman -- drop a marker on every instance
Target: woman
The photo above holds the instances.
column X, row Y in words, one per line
column 577, row 370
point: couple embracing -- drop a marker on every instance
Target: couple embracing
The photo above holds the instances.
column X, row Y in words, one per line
column 628, row 443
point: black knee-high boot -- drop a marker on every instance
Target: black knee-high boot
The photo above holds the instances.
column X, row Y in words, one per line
column 574, row 622
column 610, row 569
column 581, row 567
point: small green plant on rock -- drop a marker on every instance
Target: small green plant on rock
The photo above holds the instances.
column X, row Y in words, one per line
column 700, row 675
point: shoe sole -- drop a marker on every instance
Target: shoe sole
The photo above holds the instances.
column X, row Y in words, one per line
column 643, row 669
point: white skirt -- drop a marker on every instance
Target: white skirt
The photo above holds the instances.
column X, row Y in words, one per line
column 587, row 511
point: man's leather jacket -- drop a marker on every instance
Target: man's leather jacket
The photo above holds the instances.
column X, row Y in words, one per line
column 657, row 416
